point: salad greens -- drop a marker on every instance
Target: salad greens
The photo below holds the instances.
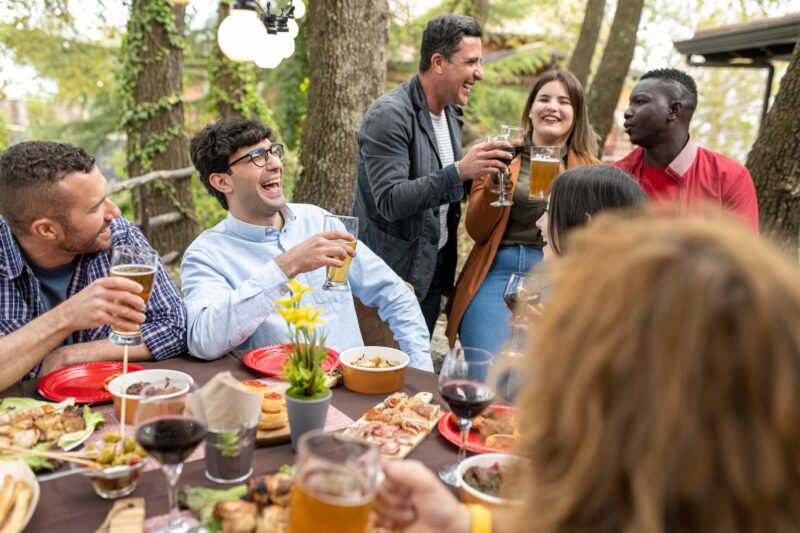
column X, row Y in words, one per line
column 201, row 501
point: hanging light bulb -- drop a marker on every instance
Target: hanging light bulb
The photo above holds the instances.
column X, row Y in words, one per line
column 299, row 8
column 283, row 45
column 294, row 29
column 238, row 33
column 268, row 59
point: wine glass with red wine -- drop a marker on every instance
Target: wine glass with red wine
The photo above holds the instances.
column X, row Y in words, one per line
column 170, row 427
column 465, row 384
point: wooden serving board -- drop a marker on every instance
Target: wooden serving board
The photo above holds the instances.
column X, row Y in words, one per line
column 271, row 438
column 409, row 443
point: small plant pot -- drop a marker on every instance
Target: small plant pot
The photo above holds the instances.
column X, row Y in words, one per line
column 306, row 415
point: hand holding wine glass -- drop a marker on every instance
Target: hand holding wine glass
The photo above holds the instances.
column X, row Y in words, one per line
column 170, row 427
column 465, row 384
column 499, row 177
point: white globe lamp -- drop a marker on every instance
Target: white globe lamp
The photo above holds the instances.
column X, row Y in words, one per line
column 299, row 9
column 238, row 34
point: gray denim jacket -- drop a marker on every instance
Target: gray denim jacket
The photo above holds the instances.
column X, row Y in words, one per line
column 401, row 185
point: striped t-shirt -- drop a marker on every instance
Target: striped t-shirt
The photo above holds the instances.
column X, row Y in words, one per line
column 446, row 155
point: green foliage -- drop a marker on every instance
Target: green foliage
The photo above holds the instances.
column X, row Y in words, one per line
column 207, row 210
column 136, row 55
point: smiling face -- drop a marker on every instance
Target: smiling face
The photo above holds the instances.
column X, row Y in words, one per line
column 552, row 115
column 649, row 118
column 254, row 194
column 86, row 227
column 460, row 72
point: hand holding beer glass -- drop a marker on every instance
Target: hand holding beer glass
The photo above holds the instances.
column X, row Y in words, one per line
column 139, row 264
column 336, row 279
column 545, row 161
column 335, row 484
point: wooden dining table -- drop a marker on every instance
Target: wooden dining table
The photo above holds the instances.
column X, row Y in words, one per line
column 70, row 504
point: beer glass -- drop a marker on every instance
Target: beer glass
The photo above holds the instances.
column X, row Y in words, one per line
column 139, row 264
column 544, row 169
column 336, row 279
column 499, row 177
column 335, row 484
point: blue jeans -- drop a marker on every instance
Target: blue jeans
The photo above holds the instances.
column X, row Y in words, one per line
column 485, row 322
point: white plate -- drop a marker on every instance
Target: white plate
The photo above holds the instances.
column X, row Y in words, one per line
column 20, row 470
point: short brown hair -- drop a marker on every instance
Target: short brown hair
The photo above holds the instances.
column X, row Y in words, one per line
column 29, row 176
column 667, row 380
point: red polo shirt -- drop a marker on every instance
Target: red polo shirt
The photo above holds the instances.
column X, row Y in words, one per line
column 697, row 175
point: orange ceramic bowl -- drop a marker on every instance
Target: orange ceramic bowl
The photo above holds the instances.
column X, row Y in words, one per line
column 373, row 380
column 469, row 494
column 155, row 376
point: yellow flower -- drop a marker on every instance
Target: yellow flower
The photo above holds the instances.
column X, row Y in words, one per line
column 298, row 288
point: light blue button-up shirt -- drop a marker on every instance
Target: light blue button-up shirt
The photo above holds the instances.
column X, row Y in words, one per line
column 230, row 281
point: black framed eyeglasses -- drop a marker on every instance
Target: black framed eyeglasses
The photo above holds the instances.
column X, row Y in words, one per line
column 260, row 156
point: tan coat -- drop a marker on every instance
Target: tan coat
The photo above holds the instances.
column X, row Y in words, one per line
column 486, row 225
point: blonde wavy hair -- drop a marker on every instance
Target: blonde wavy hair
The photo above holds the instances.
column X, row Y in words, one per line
column 666, row 395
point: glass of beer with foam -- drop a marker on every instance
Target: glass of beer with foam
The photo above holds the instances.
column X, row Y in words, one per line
column 544, row 169
column 337, row 276
column 139, row 264
column 335, row 484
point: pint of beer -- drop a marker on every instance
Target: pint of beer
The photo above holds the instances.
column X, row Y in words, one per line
column 138, row 264
column 544, row 169
column 336, row 279
column 334, row 486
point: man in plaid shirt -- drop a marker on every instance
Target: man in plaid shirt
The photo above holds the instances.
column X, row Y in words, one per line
column 57, row 302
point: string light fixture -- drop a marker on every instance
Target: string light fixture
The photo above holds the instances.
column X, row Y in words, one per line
column 266, row 36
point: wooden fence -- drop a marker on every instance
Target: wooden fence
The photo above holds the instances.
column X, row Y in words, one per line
column 143, row 220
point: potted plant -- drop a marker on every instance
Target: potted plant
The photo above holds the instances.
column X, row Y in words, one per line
column 307, row 398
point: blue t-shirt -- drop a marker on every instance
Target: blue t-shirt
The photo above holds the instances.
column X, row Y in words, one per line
column 53, row 283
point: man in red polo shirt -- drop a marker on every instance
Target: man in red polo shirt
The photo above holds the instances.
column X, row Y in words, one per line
column 669, row 165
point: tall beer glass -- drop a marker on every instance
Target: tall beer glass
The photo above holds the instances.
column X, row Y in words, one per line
column 139, row 264
column 544, row 169
column 335, row 484
column 337, row 276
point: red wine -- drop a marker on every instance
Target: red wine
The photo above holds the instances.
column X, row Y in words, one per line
column 170, row 440
column 513, row 299
column 518, row 149
column 467, row 399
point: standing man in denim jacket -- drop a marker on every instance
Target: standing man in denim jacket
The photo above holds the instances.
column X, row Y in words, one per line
column 411, row 173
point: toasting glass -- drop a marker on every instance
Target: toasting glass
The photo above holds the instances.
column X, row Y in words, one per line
column 170, row 427
column 499, row 177
column 466, row 384
column 139, row 264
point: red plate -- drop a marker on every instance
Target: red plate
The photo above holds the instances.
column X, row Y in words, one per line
column 83, row 381
column 269, row 360
column 449, row 430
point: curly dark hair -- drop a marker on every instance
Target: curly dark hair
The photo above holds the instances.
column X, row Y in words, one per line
column 681, row 81
column 29, row 174
column 211, row 147
column 443, row 35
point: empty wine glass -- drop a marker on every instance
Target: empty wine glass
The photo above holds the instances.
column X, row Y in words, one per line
column 170, row 427
column 466, row 386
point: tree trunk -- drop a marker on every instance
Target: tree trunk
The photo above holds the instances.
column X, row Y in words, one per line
column 347, row 61
column 480, row 12
column 580, row 63
column 152, row 87
column 774, row 163
column 610, row 76
column 232, row 86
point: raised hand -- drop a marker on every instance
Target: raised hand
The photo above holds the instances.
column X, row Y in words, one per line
column 323, row 249
column 484, row 158
column 113, row 300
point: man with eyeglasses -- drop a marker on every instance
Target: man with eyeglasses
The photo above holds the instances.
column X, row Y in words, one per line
column 232, row 273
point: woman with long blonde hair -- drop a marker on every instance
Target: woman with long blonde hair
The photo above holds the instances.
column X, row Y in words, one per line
column 667, row 380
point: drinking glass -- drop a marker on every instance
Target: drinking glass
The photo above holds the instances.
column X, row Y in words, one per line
column 139, row 264
column 335, row 484
column 465, row 383
column 522, row 289
column 544, row 169
column 499, row 177
column 170, row 428
column 336, row 279
column 516, row 137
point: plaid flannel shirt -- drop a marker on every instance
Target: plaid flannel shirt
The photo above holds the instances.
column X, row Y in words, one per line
column 164, row 328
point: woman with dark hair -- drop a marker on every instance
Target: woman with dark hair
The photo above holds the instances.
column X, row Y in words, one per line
column 667, row 383
column 506, row 239
column 579, row 194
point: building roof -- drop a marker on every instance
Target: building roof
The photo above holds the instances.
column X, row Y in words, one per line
column 758, row 40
